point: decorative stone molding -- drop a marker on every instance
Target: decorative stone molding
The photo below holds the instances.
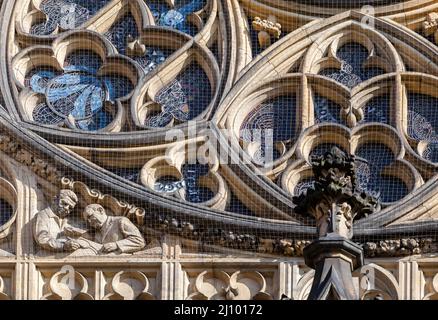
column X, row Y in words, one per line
column 230, row 239
column 95, row 196
column 129, row 285
column 39, row 166
column 292, row 248
column 399, row 247
column 73, row 282
column 376, row 283
column 68, row 284
column 241, row 285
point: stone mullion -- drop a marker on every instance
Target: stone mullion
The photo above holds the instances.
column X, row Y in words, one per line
column 411, row 281
column 172, row 281
column 99, row 281
column 33, row 278
column 399, row 110
column 27, row 202
column 285, row 279
column 172, row 277
column 305, row 114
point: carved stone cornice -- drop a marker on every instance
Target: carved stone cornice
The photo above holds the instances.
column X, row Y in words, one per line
column 39, row 166
column 211, row 236
column 399, row 247
column 383, row 248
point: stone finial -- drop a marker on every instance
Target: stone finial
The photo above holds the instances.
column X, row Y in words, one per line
column 267, row 28
column 335, row 200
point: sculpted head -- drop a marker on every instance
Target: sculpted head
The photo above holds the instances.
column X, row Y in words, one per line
column 95, row 215
column 64, row 202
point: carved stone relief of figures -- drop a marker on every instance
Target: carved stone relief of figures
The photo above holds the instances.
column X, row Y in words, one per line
column 56, row 231
column 113, row 234
column 51, row 230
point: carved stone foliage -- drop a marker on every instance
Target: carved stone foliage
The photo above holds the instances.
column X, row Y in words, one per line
column 335, row 199
column 430, row 26
column 221, row 285
column 206, row 237
column 290, row 247
column 383, row 248
column 84, row 74
column 266, row 28
column 39, row 166
column 79, row 283
column 399, row 247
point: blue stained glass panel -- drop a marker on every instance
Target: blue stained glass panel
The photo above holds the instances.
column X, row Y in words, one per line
column 352, row 56
column 131, row 174
column 377, row 110
column 274, row 117
column 98, row 121
column 184, row 98
column 176, row 18
column 124, row 30
column 372, row 158
column 322, row 148
column 78, row 92
column 423, row 122
column 191, row 173
column 119, row 33
column 83, row 61
column 168, row 184
column 6, row 212
column 303, row 185
column 152, row 58
column 326, row 110
column 67, row 14
column 44, row 115
column 117, row 86
column 277, row 114
column 194, row 191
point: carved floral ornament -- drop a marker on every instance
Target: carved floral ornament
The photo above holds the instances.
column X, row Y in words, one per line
column 69, row 284
column 219, row 285
column 154, row 67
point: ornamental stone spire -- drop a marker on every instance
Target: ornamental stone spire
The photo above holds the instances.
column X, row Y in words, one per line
column 334, row 202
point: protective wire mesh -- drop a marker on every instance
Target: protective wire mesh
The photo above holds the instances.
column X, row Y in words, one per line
column 170, row 118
